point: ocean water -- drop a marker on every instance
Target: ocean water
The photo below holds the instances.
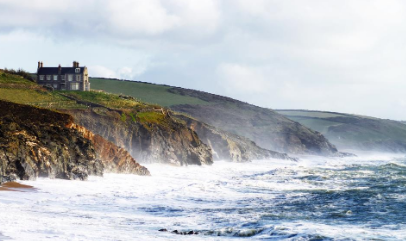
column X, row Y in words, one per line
column 361, row 198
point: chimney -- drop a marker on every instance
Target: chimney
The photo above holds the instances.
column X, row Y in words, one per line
column 59, row 69
column 74, row 63
column 39, row 64
column 42, row 64
column 77, row 64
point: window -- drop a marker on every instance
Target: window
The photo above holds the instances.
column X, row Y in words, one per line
column 55, row 77
column 78, row 78
column 55, row 86
column 74, row 86
column 48, row 77
column 63, row 77
column 70, row 77
column 77, row 70
column 41, row 77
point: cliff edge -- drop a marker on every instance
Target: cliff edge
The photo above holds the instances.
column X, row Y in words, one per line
column 37, row 142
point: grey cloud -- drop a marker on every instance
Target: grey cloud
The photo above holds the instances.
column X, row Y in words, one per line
column 333, row 55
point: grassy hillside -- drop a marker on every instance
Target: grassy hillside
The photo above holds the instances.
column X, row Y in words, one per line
column 16, row 89
column 156, row 94
column 267, row 128
column 353, row 131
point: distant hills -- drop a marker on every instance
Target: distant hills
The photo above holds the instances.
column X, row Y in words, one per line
column 353, row 131
column 268, row 129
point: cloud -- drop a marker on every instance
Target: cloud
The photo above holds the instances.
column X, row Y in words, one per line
column 243, row 79
column 148, row 17
column 120, row 21
column 338, row 55
column 101, row 71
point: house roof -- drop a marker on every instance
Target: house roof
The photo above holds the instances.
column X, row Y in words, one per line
column 55, row 71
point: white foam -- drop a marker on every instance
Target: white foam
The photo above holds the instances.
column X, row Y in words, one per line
column 129, row 207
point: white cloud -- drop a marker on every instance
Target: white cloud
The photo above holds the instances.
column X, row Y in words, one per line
column 101, row 71
column 339, row 55
column 128, row 17
column 243, row 79
column 117, row 20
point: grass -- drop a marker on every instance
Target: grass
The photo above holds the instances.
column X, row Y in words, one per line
column 16, row 89
column 106, row 99
column 6, row 78
column 151, row 117
column 131, row 109
column 39, row 98
column 149, row 93
column 19, row 90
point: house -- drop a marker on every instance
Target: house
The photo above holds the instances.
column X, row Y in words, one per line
column 64, row 78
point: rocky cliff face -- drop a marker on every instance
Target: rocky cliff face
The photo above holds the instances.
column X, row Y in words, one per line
column 36, row 143
column 114, row 158
column 265, row 127
column 160, row 139
column 42, row 143
column 227, row 146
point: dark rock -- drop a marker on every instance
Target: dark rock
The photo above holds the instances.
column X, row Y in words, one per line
column 181, row 232
column 115, row 159
column 163, row 230
column 58, row 152
column 37, row 142
column 168, row 142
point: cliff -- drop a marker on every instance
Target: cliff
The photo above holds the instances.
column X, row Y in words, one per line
column 115, row 159
column 265, row 127
column 151, row 136
column 37, row 142
column 348, row 131
column 228, row 146
column 143, row 129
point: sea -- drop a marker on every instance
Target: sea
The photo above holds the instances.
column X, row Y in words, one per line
column 314, row 198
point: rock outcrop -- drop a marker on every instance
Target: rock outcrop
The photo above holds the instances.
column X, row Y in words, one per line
column 227, row 146
column 149, row 137
column 38, row 142
column 115, row 159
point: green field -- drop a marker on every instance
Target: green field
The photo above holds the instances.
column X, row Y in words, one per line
column 150, row 93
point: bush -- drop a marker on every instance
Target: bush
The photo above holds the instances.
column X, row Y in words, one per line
column 21, row 73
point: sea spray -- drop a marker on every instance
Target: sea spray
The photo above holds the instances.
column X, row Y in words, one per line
column 315, row 198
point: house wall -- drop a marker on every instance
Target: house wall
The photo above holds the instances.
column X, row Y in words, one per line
column 65, row 83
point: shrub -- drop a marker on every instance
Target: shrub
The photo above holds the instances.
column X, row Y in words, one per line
column 20, row 72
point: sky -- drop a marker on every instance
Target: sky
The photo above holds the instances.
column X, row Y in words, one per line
column 335, row 55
